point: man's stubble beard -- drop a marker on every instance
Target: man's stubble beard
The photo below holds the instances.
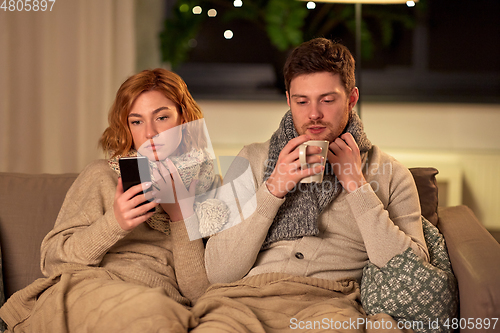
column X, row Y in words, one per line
column 333, row 131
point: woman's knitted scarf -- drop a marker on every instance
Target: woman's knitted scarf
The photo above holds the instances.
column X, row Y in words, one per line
column 298, row 215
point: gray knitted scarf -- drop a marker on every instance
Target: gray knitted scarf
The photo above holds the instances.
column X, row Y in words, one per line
column 298, row 215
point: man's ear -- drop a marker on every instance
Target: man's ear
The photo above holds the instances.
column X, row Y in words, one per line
column 353, row 97
column 287, row 98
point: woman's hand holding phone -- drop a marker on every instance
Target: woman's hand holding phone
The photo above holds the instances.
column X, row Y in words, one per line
column 128, row 211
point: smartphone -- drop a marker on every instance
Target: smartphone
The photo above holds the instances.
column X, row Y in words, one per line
column 134, row 171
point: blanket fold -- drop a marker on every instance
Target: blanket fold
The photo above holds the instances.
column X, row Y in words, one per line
column 278, row 302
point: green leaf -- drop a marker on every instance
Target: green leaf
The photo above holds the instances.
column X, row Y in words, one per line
column 284, row 20
column 178, row 30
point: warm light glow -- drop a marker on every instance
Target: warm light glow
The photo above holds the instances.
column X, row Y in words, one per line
column 197, row 10
column 410, row 3
column 228, row 34
column 311, row 5
column 212, row 13
column 237, row 3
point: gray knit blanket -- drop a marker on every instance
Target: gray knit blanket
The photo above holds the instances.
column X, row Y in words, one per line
column 298, row 215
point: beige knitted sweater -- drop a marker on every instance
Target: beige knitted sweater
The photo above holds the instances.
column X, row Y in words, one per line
column 87, row 233
column 376, row 222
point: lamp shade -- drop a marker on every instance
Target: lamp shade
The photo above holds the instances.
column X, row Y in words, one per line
column 366, row 2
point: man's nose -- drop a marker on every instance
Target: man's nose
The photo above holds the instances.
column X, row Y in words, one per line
column 315, row 112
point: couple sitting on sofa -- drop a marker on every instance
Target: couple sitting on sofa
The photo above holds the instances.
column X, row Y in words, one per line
column 297, row 259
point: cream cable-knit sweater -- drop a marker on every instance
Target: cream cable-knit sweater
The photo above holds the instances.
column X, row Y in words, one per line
column 87, row 233
column 376, row 222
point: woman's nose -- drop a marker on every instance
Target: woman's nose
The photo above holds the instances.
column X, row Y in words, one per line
column 151, row 131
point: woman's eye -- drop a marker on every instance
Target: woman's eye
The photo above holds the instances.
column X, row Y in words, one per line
column 162, row 118
column 135, row 122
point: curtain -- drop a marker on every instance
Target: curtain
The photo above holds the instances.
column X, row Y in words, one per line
column 59, row 73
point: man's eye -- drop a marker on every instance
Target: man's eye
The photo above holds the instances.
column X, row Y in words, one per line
column 328, row 100
column 301, row 102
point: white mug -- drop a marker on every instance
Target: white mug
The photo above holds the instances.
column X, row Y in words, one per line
column 318, row 178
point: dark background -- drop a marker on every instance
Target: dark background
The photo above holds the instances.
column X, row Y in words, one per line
column 458, row 57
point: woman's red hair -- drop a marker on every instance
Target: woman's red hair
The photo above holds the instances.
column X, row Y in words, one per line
column 117, row 138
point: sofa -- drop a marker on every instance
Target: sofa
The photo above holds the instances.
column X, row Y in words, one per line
column 29, row 205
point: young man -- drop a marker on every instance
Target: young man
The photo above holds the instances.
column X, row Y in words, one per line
column 297, row 261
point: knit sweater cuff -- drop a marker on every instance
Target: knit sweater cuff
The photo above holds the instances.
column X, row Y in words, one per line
column 363, row 200
column 102, row 235
column 267, row 203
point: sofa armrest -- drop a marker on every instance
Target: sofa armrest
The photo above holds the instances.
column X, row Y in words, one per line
column 475, row 259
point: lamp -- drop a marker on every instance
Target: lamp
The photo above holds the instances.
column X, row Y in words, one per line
column 357, row 4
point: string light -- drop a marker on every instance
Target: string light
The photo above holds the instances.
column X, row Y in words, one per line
column 212, row 13
column 197, row 10
column 228, row 34
column 238, row 3
column 311, row 5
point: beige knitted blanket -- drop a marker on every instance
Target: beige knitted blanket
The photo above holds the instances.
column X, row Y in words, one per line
column 277, row 302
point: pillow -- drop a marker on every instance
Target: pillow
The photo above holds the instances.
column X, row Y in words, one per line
column 425, row 179
column 412, row 290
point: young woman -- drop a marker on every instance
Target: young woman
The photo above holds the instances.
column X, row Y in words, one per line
column 111, row 265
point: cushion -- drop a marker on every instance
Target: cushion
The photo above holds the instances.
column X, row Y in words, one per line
column 425, row 179
column 412, row 290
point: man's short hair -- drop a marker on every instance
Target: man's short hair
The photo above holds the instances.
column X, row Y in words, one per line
column 321, row 55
